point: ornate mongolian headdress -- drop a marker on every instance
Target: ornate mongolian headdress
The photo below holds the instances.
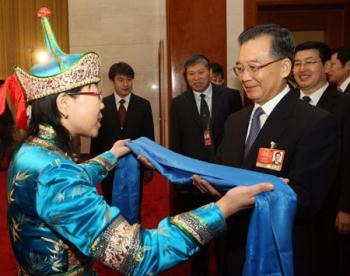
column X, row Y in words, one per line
column 61, row 72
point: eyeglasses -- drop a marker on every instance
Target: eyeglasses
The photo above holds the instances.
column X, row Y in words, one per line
column 252, row 69
column 306, row 64
column 98, row 94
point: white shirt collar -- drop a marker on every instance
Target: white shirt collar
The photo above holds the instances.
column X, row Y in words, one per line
column 315, row 96
column 345, row 84
column 269, row 106
column 207, row 92
column 118, row 98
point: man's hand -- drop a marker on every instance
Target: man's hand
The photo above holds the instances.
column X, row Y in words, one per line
column 343, row 222
column 119, row 149
column 241, row 197
column 204, row 186
column 145, row 162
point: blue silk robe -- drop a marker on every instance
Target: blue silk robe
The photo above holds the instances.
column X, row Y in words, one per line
column 58, row 222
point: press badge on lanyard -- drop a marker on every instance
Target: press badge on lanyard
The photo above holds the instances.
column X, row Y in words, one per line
column 270, row 158
column 207, row 137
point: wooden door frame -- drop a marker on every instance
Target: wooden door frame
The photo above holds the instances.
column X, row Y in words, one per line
column 251, row 10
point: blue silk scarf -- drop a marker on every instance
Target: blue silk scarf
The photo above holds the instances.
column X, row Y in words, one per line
column 269, row 243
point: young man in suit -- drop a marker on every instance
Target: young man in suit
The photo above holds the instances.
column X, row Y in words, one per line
column 125, row 115
column 339, row 72
column 277, row 121
column 197, row 124
column 311, row 64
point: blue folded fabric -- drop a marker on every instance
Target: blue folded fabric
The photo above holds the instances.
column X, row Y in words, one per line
column 269, row 243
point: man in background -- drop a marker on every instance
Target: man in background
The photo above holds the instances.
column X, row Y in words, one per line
column 125, row 115
column 339, row 72
column 216, row 74
column 278, row 121
column 311, row 64
column 197, row 124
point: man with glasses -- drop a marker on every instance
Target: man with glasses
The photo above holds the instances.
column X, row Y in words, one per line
column 125, row 115
column 311, row 64
column 197, row 125
column 339, row 72
column 277, row 122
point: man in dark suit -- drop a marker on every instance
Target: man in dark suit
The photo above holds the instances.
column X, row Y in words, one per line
column 339, row 72
column 278, row 121
column 125, row 115
column 197, row 123
column 311, row 64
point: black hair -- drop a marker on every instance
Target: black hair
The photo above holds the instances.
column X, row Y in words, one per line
column 343, row 54
column 323, row 50
column 45, row 111
column 282, row 45
column 217, row 69
column 121, row 68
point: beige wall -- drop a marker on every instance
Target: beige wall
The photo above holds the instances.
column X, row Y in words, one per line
column 119, row 30
column 130, row 31
column 234, row 25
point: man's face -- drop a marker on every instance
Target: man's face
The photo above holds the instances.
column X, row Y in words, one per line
column 267, row 82
column 308, row 70
column 216, row 78
column 122, row 85
column 338, row 73
column 277, row 157
column 198, row 77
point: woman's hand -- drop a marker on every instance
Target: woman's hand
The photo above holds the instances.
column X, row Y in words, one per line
column 119, row 149
column 241, row 197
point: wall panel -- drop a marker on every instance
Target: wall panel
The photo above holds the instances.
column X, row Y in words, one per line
column 21, row 35
column 194, row 27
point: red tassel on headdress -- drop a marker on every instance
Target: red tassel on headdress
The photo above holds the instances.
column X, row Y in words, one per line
column 17, row 101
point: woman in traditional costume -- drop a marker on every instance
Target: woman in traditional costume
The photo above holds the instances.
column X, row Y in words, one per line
column 58, row 223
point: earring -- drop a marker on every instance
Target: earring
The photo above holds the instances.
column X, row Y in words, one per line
column 64, row 116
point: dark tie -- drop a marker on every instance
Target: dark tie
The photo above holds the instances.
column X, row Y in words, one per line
column 204, row 112
column 122, row 112
column 307, row 99
column 254, row 130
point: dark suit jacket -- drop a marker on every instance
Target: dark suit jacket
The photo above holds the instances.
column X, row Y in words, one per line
column 308, row 136
column 186, row 126
column 337, row 103
column 139, row 122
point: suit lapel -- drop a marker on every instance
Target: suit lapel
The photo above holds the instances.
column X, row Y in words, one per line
column 113, row 114
column 273, row 128
column 327, row 99
column 131, row 109
column 192, row 108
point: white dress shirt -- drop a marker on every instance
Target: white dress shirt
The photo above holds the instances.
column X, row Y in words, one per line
column 208, row 98
column 126, row 99
column 267, row 107
column 316, row 96
column 345, row 83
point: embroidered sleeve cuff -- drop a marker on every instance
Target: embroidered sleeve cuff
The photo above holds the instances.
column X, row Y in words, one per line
column 118, row 246
column 201, row 224
column 107, row 160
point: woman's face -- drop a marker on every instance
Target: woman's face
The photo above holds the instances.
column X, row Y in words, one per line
column 84, row 112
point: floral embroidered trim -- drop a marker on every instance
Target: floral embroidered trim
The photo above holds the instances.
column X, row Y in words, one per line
column 104, row 162
column 118, row 245
column 194, row 226
column 35, row 141
column 46, row 132
column 85, row 71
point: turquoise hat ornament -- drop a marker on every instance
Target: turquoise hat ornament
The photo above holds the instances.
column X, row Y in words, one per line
column 62, row 71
